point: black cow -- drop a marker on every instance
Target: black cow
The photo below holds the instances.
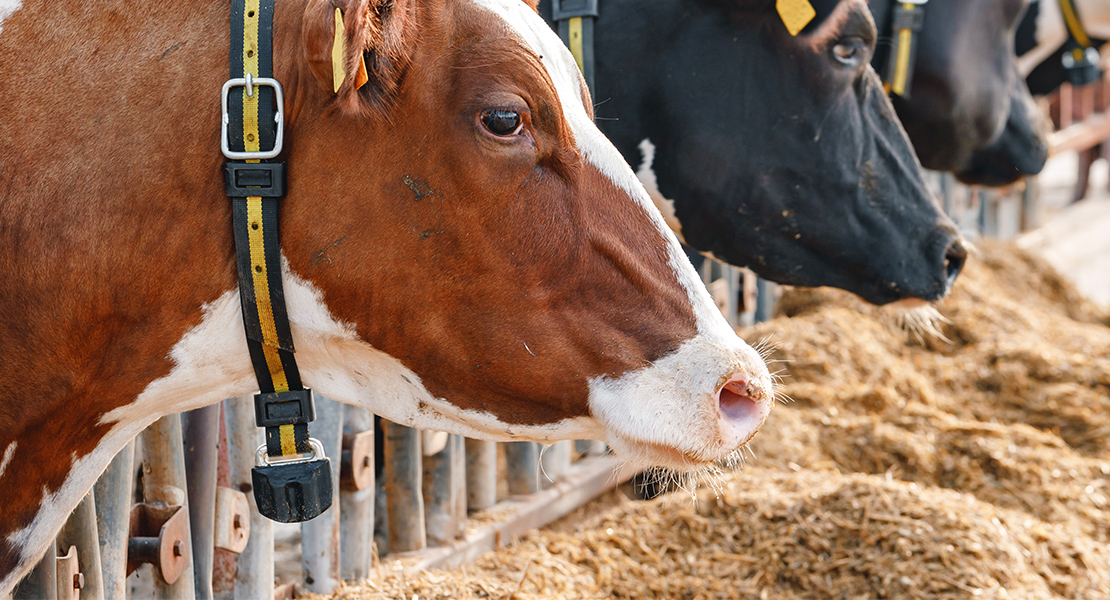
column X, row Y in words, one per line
column 969, row 110
column 769, row 151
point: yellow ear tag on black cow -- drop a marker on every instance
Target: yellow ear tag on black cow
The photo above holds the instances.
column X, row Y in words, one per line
column 795, row 14
column 339, row 57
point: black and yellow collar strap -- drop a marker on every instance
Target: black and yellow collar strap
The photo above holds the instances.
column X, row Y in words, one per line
column 576, row 19
column 1080, row 57
column 294, row 488
column 907, row 21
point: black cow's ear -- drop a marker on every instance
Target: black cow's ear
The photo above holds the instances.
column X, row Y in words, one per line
column 359, row 49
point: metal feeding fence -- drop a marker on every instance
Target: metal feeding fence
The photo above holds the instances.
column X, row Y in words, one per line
column 176, row 506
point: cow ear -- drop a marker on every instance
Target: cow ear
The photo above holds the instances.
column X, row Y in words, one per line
column 359, row 49
column 535, row 4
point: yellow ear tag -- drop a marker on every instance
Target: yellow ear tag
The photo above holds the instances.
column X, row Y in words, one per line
column 795, row 14
column 338, row 53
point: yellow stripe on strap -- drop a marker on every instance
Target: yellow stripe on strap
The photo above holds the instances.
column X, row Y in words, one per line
column 902, row 64
column 262, row 293
column 288, row 442
column 250, row 65
column 575, row 42
column 1072, row 21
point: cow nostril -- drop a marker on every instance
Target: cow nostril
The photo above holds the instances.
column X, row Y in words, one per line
column 736, row 403
column 955, row 255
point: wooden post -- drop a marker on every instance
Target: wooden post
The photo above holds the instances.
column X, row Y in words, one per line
column 201, row 433
column 356, row 506
column 403, row 476
column 320, row 536
column 164, row 482
column 113, row 492
column 555, row 460
column 523, row 459
column 80, row 530
column 254, row 567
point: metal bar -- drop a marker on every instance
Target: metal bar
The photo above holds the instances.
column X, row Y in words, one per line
column 201, row 430
column 114, row 492
column 164, row 481
column 403, row 476
column 442, row 490
column 80, row 530
column 555, row 462
column 458, row 482
column 254, row 567
column 42, row 581
column 764, row 300
column 320, row 536
column 356, row 508
column 481, row 474
column 523, row 462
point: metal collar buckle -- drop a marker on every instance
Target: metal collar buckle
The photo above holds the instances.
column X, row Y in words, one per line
column 279, row 117
column 262, row 459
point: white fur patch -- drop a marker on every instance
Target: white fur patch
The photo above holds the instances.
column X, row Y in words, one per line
column 646, row 175
column 8, row 453
column 7, row 7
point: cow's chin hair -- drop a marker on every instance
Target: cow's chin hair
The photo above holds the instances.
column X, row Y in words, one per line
column 690, row 480
column 919, row 319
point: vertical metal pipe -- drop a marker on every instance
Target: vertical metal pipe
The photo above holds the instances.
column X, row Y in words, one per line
column 403, row 477
column 320, row 536
column 114, row 492
column 555, row 461
column 80, row 530
column 481, row 474
column 523, row 461
column 201, row 431
column 458, row 482
column 764, row 300
column 444, row 485
column 42, row 581
column 164, row 481
column 356, row 508
column 254, row 567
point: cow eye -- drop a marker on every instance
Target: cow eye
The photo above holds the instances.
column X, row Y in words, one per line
column 502, row 122
column 849, row 51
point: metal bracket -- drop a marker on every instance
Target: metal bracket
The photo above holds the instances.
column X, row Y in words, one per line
column 357, row 464
column 159, row 536
column 70, row 578
column 233, row 520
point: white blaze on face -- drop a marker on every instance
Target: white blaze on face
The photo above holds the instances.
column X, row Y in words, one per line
column 7, row 7
column 646, row 175
column 671, row 403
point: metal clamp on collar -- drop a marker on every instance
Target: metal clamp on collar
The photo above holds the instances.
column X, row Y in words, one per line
column 292, row 489
column 279, row 117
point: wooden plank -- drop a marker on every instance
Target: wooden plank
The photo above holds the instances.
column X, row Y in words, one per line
column 586, row 480
column 1080, row 136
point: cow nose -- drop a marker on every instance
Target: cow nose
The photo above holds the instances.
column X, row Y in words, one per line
column 742, row 408
column 955, row 255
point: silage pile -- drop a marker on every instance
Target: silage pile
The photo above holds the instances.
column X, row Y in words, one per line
column 973, row 467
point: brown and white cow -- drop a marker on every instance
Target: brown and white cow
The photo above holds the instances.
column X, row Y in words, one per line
column 441, row 269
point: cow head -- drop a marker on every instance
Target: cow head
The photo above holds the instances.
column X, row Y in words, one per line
column 496, row 267
column 970, row 112
column 774, row 152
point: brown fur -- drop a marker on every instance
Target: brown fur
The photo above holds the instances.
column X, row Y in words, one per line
column 114, row 227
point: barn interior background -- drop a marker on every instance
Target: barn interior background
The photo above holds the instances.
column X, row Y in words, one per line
column 172, row 517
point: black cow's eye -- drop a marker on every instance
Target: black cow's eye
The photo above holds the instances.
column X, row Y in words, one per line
column 849, row 51
column 502, row 121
